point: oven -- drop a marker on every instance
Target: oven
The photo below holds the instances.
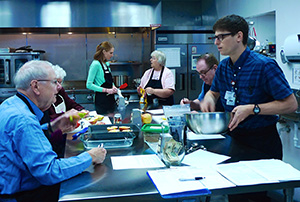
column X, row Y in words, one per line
column 10, row 63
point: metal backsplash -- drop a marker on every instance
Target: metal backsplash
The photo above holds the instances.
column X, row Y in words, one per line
column 80, row 13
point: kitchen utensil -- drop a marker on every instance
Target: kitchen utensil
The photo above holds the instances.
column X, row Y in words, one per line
column 119, row 93
column 208, row 122
column 76, row 135
column 123, row 86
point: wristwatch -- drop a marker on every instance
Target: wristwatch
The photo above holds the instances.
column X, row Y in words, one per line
column 256, row 109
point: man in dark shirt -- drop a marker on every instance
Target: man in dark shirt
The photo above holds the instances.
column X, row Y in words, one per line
column 206, row 67
column 255, row 90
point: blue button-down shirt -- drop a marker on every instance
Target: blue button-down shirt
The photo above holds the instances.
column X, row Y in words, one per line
column 257, row 79
column 27, row 160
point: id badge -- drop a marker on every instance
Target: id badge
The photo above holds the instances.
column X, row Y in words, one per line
column 230, row 98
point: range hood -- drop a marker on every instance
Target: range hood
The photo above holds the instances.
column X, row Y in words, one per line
column 79, row 13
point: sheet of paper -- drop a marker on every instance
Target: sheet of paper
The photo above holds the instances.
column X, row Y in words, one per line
column 194, row 136
column 202, row 158
column 258, row 171
column 274, row 169
column 240, row 174
column 173, row 55
column 159, row 118
column 167, row 180
column 106, row 120
column 155, row 111
column 136, row 161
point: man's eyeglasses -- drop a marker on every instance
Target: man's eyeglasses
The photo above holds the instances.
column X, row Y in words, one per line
column 203, row 73
column 221, row 37
column 55, row 82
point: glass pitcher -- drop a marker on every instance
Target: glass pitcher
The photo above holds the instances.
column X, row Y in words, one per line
column 172, row 144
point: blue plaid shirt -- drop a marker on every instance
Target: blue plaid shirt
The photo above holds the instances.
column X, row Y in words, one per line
column 257, row 79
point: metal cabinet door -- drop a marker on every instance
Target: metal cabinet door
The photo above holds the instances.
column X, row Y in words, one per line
column 177, row 61
column 194, row 81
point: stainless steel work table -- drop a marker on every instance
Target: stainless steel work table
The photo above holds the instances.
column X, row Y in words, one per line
column 103, row 183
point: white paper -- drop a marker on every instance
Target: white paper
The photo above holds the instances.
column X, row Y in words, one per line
column 159, row 119
column 172, row 55
column 155, row 111
column 201, row 158
column 240, row 174
column 194, row 136
column 136, row 161
column 274, row 169
column 106, row 120
column 167, row 180
column 258, row 172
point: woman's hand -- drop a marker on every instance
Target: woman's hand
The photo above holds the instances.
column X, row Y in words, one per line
column 112, row 90
column 150, row 90
column 185, row 101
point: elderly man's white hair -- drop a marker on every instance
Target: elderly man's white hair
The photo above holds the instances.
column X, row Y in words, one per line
column 31, row 70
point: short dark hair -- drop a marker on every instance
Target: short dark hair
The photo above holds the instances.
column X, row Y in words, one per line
column 209, row 58
column 234, row 24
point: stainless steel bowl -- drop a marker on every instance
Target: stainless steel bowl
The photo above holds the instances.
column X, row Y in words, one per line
column 208, row 122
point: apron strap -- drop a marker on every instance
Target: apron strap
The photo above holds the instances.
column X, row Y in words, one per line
column 25, row 101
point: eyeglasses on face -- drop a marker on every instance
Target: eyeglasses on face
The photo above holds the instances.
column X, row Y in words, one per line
column 55, row 82
column 203, row 73
column 221, row 37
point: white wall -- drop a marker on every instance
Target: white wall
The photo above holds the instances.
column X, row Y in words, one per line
column 286, row 21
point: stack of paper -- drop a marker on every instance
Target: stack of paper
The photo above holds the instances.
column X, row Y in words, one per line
column 258, row 172
column 178, row 182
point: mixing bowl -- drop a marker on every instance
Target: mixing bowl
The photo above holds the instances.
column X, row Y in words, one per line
column 208, row 122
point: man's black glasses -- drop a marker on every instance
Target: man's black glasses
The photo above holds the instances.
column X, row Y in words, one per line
column 221, row 37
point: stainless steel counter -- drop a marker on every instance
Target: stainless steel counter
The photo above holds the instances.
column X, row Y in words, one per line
column 103, row 183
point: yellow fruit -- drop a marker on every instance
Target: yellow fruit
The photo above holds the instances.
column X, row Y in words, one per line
column 99, row 117
column 146, row 118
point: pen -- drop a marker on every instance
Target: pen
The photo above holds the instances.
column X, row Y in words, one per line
column 191, row 179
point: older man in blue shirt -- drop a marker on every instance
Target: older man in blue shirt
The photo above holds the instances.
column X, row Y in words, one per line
column 27, row 160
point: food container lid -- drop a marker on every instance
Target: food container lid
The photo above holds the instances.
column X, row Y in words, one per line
column 154, row 128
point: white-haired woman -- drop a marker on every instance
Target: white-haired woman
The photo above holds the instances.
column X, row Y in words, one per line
column 158, row 82
column 63, row 101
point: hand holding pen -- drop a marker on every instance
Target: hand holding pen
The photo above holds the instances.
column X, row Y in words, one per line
column 98, row 154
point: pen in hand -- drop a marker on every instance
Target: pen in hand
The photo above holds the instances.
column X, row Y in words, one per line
column 191, row 179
